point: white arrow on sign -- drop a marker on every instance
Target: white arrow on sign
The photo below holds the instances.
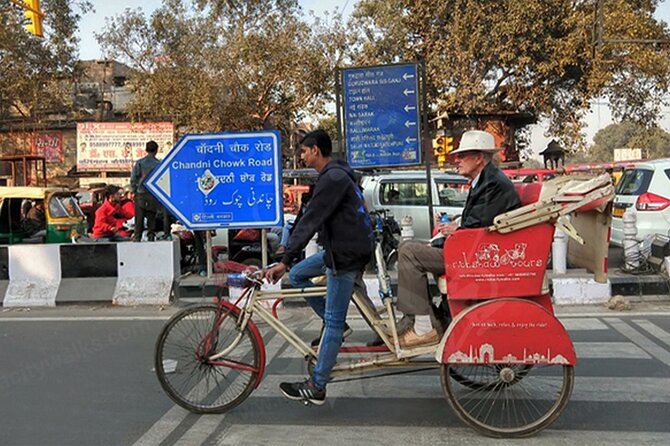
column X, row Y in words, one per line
column 407, row 92
column 409, row 140
column 407, row 76
column 163, row 182
column 408, row 124
column 408, row 108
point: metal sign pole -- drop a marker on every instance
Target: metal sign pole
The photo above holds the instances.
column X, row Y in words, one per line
column 264, row 247
column 338, row 108
column 208, row 248
column 426, row 144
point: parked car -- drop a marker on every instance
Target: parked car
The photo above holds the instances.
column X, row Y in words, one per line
column 406, row 193
column 644, row 189
column 64, row 218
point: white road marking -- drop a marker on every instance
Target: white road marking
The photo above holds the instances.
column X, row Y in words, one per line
column 654, row 330
column 641, row 340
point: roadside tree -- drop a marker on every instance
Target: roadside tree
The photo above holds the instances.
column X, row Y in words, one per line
column 36, row 74
column 654, row 142
column 214, row 65
column 537, row 56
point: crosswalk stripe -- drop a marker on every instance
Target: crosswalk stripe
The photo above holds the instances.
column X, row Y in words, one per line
column 654, row 330
column 587, row 324
column 427, row 386
column 641, row 340
column 602, row 350
column 291, row 435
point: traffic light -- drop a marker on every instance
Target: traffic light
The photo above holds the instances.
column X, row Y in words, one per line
column 440, row 150
column 438, row 146
column 34, row 14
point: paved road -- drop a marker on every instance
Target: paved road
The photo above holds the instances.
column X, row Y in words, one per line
column 84, row 376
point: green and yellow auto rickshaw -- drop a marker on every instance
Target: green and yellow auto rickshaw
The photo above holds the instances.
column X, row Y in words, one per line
column 64, row 218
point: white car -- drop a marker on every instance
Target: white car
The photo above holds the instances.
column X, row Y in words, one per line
column 405, row 193
column 643, row 189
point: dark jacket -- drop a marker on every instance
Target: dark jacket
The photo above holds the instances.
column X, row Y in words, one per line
column 336, row 210
column 493, row 194
column 141, row 170
column 35, row 221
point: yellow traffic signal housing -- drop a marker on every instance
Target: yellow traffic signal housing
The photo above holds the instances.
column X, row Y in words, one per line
column 440, row 150
column 448, row 144
column 438, row 146
column 34, row 14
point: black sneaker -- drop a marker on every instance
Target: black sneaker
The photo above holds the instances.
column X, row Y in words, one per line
column 303, row 391
column 347, row 331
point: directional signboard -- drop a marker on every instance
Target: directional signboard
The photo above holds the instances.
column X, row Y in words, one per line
column 381, row 115
column 222, row 180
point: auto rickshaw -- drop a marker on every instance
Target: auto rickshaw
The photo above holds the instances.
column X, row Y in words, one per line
column 64, row 218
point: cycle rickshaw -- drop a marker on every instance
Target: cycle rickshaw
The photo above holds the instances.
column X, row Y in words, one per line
column 506, row 362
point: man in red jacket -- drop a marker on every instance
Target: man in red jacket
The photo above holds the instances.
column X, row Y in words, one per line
column 107, row 225
column 127, row 204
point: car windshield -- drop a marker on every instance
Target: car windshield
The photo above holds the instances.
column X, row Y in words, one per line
column 64, row 206
column 634, row 182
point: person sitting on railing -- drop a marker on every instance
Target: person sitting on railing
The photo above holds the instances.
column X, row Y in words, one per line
column 491, row 193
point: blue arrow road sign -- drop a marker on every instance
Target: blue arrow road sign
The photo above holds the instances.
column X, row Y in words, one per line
column 222, row 180
column 381, row 115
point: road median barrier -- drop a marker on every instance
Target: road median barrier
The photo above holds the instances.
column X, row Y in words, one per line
column 119, row 273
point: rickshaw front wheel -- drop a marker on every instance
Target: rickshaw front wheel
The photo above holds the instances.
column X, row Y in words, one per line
column 504, row 404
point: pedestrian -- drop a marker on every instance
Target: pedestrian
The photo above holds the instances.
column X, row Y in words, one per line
column 108, row 225
column 146, row 204
column 127, row 203
column 336, row 210
column 35, row 222
column 491, row 193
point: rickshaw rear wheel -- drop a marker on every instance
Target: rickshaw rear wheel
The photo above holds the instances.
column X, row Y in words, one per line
column 508, row 400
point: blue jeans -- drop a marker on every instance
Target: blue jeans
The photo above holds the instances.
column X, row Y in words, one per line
column 286, row 233
column 303, row 271
column 338, row 295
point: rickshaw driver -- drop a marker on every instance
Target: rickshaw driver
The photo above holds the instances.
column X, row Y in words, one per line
column 336, row 208
column 491, row 193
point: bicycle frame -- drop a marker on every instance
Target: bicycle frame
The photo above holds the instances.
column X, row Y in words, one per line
column 389, row 355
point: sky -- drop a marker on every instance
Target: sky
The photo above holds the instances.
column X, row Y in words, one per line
column 598, row 118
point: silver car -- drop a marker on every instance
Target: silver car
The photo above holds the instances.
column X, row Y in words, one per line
column 405, row 193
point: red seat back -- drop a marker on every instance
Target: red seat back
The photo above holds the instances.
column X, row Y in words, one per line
column 528, row 192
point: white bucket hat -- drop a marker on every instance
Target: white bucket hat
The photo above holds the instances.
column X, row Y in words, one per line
column 476, row 140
